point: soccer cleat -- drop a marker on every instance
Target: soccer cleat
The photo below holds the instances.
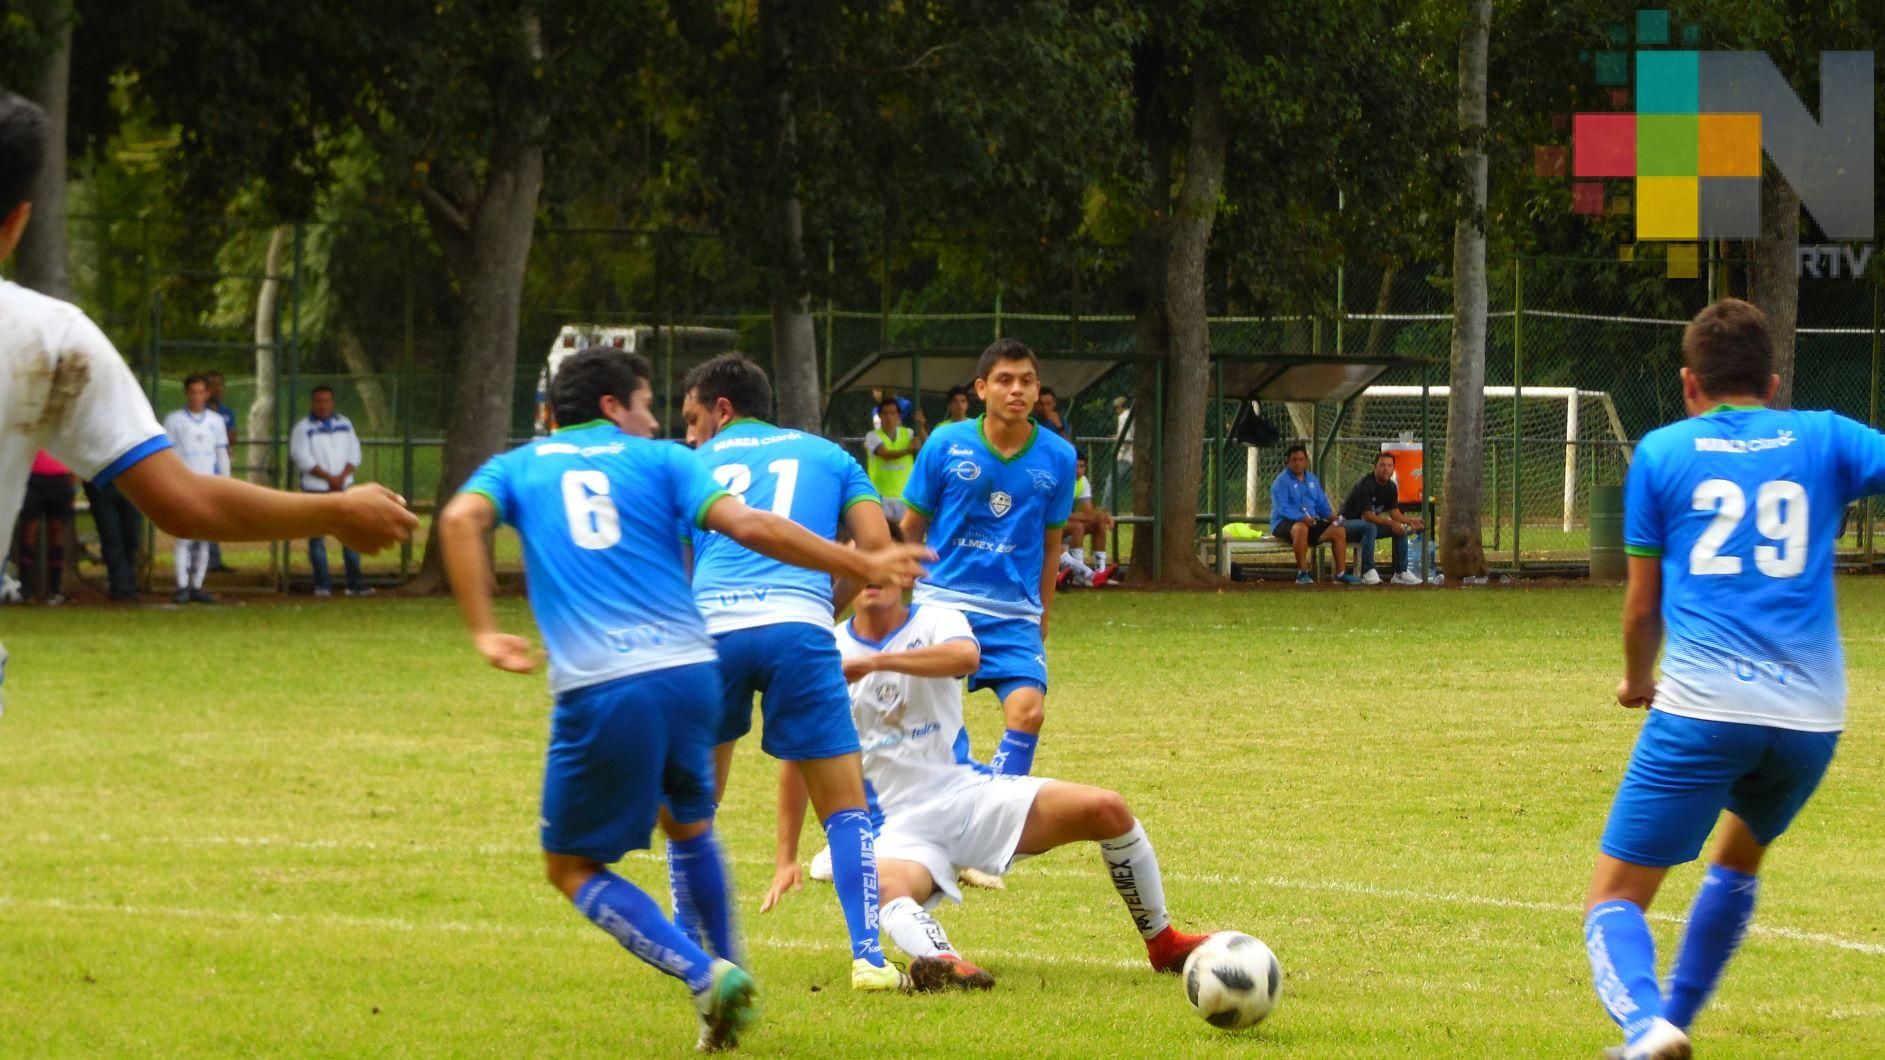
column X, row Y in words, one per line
column 1101, row 577
column 1405, row 577
column 1065, row 576
column 1169, row 948
column 1663, row 1041
column 1347, row 579
column 978, row 878
column 876, row 978
column 930, row 975
column 1373, row 577
column 1303, row 577
column 821, row 866
column 727, row 1007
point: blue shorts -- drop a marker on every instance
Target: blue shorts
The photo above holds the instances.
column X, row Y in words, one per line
column 619, row 750
column 1012, row 654
column 1685, row 771
column 796, row 668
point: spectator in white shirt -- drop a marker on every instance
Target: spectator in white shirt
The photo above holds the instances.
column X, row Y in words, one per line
column 326, row 451
column 201, row 439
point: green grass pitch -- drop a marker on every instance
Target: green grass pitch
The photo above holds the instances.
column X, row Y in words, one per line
column 274, row 828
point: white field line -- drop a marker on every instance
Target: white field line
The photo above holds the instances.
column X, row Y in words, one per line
column 1775, row 931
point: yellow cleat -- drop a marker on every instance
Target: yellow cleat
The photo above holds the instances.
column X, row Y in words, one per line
column 868, row 976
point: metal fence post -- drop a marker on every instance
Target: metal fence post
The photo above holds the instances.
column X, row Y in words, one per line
column 1518, row 389
column 1158, row 473
column 405, row 395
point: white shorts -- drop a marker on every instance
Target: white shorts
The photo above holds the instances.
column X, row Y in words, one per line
column 975, row 825
column 893, row 509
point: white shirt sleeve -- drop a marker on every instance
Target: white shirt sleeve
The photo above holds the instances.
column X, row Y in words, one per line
column 946, row 624
column 173, row 427
column 874, row 440
column 353, row 444
column 101, row 422
column 298, row 448
column 222, row 451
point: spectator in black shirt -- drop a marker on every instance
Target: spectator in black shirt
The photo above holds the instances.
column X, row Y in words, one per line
column 1373, row 509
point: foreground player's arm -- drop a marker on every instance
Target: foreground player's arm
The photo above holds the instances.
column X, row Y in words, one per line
column 1642, row 631
column 864, row 521
column 793, row 799
column 218, row 508
column 952, row 658
column 462, row 529
column 788, row 542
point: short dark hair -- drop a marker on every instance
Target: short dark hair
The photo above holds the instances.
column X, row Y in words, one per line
column 1048, row 391
column 1079, row 457
column 1005, row 350
column 22, row 150
column 1296, row 447
column 1382, row 453
column 582, row 380
column 322, row 389
column 1728, row 349
column 193, row 379
column 735, row 377
column 954, row 390
column 889, row 401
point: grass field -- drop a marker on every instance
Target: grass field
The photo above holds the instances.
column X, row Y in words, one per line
column 277, row 829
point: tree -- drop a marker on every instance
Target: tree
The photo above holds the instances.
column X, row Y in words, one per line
column 1462, row 548
column 41, row 256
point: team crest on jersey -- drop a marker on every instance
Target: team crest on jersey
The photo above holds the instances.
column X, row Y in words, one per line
column 967, row 470
column 1043, row 480
column 999, row 503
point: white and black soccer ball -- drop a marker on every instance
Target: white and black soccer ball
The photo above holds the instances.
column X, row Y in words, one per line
column 1233, row 980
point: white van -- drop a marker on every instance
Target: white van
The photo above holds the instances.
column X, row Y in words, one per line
column 686, row 346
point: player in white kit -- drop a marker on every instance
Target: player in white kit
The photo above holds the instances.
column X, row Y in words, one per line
column 905, row 666
column 64, row 389
column 201, row 439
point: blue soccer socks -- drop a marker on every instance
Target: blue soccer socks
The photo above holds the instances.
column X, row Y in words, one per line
column 854, row 874
column 1015, row 755
column 1623, row 965
column 627, row 913
column 703, row 895
column 1717, row 921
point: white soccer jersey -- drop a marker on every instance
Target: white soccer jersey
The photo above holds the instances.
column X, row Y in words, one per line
column 64, row 389
column 908, row 725
column 201, row 439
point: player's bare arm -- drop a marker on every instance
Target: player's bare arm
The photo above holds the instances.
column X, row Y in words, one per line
column 1642, row 631
column 869, row 531
column 788, row 542
column 366, row 518
column 915, row 527
column 793, row 798
column 462, row 529
column 954, row 658
column 1050, row 568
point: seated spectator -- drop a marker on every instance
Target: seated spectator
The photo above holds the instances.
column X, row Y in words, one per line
column 1047, row 413
column 1373, row 508
column 1087, row 523
column 201, row 438
column 889, row 454
column 1300, row 514
column 48, row 505
column 958, row 408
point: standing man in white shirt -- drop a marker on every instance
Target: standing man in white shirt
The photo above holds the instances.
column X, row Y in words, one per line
column 67, row 391
column 326, row 451
column 201, row 438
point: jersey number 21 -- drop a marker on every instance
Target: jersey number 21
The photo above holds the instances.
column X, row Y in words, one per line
column 738, row 478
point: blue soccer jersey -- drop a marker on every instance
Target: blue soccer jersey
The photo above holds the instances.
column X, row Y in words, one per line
column 596, row 509
column 988, row 514
column 789, row 473
column 1743, row 505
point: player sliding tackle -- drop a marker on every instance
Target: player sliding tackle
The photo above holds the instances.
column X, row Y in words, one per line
column 992, row 495
column 771, row 623
column 1731, row 517
column 632, row 667
column 942, row 815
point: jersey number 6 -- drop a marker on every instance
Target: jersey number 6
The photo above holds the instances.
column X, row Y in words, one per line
column 1780, row 514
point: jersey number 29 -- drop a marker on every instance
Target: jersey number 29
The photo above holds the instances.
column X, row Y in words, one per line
column 738, row 478
column 1780, row 514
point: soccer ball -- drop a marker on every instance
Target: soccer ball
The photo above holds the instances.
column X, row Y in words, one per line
column 1233, row 980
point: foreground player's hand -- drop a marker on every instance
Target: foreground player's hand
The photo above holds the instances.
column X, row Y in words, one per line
column 785, row 878
column 374, row 517
column 1634, row 694
column 507, row 651
column 856, row 670
column 896, row 565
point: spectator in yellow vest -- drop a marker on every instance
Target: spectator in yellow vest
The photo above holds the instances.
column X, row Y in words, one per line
column 890, row 453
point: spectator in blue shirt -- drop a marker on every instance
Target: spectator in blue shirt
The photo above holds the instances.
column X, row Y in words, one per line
column 1300, row 513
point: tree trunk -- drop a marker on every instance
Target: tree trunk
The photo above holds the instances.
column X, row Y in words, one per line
column 373, row 396
column 794, row 335
column 487, row 249
column 41, row 256
column 1774, row 277
column 1462, row 548
column 1152, row 328
column 1188, row 389
column 260, row 466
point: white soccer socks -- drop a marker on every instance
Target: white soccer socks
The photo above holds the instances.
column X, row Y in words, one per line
column 1134, row 870
column 914, row 931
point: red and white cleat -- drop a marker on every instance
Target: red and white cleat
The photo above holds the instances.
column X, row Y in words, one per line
column 1169, row 948
column 948, row 972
